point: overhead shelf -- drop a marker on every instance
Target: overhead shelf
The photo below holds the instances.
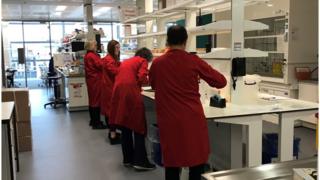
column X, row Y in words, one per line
column 145, row 35
column 218, row 26
column 149, row 16
column 225, row 25
column 225, row 53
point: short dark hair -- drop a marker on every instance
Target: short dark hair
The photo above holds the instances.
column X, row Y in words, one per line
column 144, row 53
column 177, row 35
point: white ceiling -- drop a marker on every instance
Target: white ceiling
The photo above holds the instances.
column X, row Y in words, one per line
column 45, row 9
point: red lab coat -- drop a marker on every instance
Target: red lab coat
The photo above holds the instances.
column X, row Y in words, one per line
column 93, row 73
column 109, row 72
column 127, row 108
column 182, row 125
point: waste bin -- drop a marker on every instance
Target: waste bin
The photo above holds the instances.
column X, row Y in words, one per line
column 270, row 147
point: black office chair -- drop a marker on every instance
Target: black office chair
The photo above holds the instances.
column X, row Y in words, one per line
column 56, row 90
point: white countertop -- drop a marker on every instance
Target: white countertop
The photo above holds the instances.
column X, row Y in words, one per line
column 6, row 110
column 269, row 104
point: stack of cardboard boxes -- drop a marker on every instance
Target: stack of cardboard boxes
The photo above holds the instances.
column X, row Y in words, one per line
column 23, row 115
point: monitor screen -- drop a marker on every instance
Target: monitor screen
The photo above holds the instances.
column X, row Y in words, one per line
column 77, row 46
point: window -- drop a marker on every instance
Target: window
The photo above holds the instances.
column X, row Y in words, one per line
column 118, row 31
column 56, row 32
column 37, row 37
column 36, row 31
column 12, row 31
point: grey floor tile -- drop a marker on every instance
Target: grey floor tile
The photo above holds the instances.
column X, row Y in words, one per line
column 65, row 148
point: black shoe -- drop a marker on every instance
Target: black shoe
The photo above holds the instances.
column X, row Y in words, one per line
column 144, row 167
column 99, row 126
column 115, row 140
column 90, row 123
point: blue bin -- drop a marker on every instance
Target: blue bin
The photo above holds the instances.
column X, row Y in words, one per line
column 270, row 147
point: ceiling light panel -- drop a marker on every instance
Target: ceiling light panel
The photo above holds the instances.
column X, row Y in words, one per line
column 61, row 8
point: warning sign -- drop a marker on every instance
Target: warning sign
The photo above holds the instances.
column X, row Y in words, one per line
column 76, row 90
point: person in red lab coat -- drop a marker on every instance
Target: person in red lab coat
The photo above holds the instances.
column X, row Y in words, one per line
column 181, row 121
column 112, row 59
column 93, row 73
column 127, row 109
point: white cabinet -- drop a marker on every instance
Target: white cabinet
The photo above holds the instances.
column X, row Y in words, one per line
column 292, row 39
column 78, row 96
column 309, row 91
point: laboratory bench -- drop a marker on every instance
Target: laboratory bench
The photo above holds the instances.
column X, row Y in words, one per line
column 237, row 123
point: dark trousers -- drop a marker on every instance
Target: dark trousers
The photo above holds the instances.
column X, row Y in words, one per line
column 133, row 147
column 173, row 173
column 94, row 115
column 111, row 127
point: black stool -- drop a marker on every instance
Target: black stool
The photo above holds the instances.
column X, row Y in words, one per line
column 56, row 89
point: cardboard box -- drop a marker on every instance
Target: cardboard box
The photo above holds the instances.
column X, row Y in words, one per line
column 25, row 143
column 7, row 96
column 23, row 113
column 24, row 129
column 21, row 95
column 21, row 98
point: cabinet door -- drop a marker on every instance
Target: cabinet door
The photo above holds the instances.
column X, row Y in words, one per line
column 308, row 91
column 78, row 95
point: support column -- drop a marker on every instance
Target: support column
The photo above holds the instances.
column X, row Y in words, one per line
column 88, row 19
column 237, row 45
column 191, row 20
column 254, row 144
column 149, row 9
column 161, row 40
column 237, row 36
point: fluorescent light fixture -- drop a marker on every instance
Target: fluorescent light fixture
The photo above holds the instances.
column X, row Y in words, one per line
column 104, row 9
column 61, row 8
column 101, row 11
column 269, row 5
column 58, row 13
column 96, row 14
